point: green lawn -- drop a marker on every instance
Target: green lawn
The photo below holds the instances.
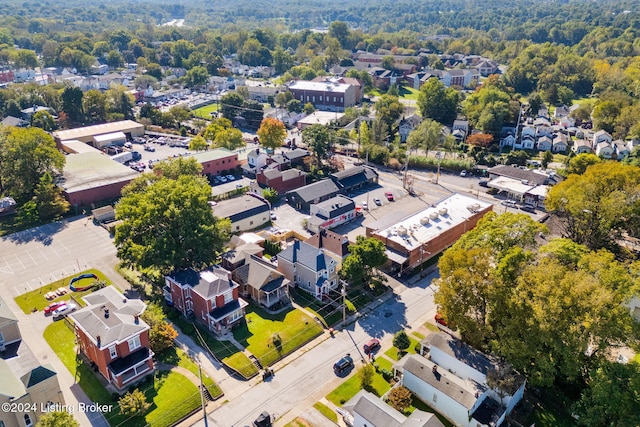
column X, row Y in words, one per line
column 409, row 93
column 393, row 352
column 326, row 411
column 225, row 351
column 431, row 327
column 35, row 300
column 330, row 315
column 345, row 391
column 419, row 404
column 270, row 337
column 176, row 356
column 173, row 395
column 205, row 112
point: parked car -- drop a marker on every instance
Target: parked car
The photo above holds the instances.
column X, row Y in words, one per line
column 463, row 173
column 484, row 183
column 528, row 208
column 273, row 216
column 439, row 318
column 230, row 178
column 222, row 179
column 148, row 147
column 372, row 345
column 389, row 196
column 508, row 203
column 64, row 309
column 377, row 201
column 343, row 365
column 365, row 206
column 53, row 307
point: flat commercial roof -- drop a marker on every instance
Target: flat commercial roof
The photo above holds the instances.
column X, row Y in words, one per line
column 511, row 185
column 234, row 208
column 89, row 131
column 89, row 170
column 423, row 226
column 320, row 117
column 540, row 190
column 113, row 136
column 75, row 146
column 215, row 154
column 320, row 86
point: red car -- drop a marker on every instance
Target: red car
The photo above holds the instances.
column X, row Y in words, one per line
column 53, row 306
column 389, row 196
column 439, row 318
column 371, row 346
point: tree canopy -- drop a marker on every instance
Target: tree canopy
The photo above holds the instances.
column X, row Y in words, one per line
column 272, row 133
column 437, row 102
column 167, row 221
column 364, row 257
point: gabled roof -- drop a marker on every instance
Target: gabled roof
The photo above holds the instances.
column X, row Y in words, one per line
column 110, row 316
column 241, row 252
column 354, row 176
column 317, row 190
column 260, row 275
column 296, row 154
column 10, row 386
column 519, row 174
column 207, row 283
column 303, row 253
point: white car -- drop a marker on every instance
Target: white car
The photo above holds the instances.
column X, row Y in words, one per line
column 463, row 173
column 231, row 178
column 64, row 310
column 365, row 206
column 273, row 216
column 508, row 203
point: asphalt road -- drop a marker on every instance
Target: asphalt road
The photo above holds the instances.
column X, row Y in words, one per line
column 308, row 378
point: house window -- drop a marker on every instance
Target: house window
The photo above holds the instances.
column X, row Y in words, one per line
column 27, row 420
column 237, row 227
column 250, row 222
column 134, row 343
column 320, row 98
column 112, row 352
column 235, row 316
column 332, row 269
column 228, row 296
column 435, row 397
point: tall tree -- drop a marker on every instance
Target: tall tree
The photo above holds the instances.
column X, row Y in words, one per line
column 49, row 199
column 231, row 105
column 388, row 109
column 25, row 156
column 72, row 103
column 44, row 120
column 168, row 223
column 94, row 104
column 161, row 333
column 437, row 102
column 319, row 140
column 597, row 207
column 272, row 133
column 426, row 137
column 367, row 254
column 230, row 138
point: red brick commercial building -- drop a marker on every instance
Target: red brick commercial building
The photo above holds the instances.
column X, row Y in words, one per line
column 424, row 234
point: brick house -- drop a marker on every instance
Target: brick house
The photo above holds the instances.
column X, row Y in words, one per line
column 281, row 181
column 114, row 338
column 210, row 295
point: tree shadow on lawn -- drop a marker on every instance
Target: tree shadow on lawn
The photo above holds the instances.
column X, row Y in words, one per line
column 242, row 333
column 43, row 233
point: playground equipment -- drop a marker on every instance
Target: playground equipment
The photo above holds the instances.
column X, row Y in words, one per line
column 80, row 277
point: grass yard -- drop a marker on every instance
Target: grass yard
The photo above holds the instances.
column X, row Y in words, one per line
column 431, row 327
column 172, row 394
column 270, row 337
column 392, row 353
column 225, row 351
column 299, row 422
column 176, row 356
column 35, row 300
column 330, row 315
column 205, row 112
column 409, row 93
column 419, row 404
column 345, row 391
column 326, row 411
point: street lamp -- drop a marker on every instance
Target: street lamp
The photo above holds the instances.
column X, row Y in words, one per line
column 439, row 157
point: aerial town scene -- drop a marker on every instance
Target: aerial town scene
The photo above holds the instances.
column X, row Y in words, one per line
column 319, row 213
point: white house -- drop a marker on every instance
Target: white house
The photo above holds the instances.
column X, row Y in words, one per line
column 452, row 379
column 560, row 143
column 508, row 141
column 621, row 149
column 601, row 136
column 368, row 410
column 257, row 158
column 604, row 150
column 581, row 146
column 545, row 143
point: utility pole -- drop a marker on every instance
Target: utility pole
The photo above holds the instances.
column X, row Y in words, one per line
column 344, row 304
column 202, row 399
column 439, row 157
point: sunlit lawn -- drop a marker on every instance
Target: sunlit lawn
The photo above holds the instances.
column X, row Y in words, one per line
column 172, row 395
column 326, row 411
column 393, row 352
column 205, row 112
column 176, row 356
column 270, row 337
column 35, row 300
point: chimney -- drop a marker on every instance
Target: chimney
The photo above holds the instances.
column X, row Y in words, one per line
column 98, row 340
column 136, row 319
column 434, row 369
column 106, row 313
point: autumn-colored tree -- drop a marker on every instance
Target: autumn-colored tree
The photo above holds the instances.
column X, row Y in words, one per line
column 480, row 139
column 400, row 398
column 272, row 133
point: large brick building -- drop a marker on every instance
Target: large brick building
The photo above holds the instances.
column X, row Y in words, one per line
column 424, row 234
column 326, row 95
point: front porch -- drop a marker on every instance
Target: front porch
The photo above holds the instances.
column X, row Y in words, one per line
column 222, row 319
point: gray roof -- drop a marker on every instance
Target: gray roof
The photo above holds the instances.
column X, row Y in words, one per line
column 6, row 315
column 241, row 252
column 459, row 350
column 292, row 173
column 519, row 174
column 337, row 205
column 296, row 154
column 207, row 283
column 260, row 275
column 441, row 380
column 307, row 255
column 240, row 208
column 319, row 189
column 115, row 325
column 379, row 414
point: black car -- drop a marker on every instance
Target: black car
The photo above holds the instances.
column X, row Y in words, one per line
column 484, row 183
column 343, row 365
column 528, row 208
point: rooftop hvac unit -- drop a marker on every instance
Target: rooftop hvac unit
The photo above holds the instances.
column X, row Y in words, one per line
column 443, row 211
column 424, row 220
column 402, row 231
column 433, row 215
column 476, row 207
